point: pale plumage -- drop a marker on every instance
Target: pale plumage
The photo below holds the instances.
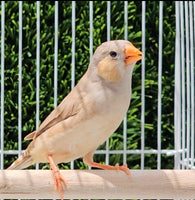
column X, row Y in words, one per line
column 89, row 114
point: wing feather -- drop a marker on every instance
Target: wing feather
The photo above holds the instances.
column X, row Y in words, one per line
column 67, row 108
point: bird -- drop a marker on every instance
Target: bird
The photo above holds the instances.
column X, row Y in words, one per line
column 88, row 115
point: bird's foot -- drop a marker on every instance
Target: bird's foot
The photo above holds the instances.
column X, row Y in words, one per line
column 57, row 177
column 58, row 182
column 123, row 168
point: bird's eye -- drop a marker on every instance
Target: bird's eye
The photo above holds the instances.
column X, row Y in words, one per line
column 113, row 54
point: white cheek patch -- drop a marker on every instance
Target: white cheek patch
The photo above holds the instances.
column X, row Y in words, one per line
column 109, row 70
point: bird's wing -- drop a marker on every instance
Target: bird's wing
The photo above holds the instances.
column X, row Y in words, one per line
column 30, row 136
column 69, row 107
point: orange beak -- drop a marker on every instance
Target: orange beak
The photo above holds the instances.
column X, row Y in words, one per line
column 132, row 54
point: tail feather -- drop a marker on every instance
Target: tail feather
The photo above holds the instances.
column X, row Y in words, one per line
column 21, row 163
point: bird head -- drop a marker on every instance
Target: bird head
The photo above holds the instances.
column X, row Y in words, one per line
column 113, row 59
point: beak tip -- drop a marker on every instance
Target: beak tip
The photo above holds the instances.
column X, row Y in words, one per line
column 132, row 54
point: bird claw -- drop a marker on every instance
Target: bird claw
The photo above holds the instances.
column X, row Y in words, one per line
column 57, row 177
column 123, row 168
column 58, row 182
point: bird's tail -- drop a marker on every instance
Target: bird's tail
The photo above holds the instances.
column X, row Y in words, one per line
column 22, row 162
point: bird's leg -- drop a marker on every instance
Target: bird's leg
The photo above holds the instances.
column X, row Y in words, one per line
column 57, row 176
column 123, row 168
column 88, row 159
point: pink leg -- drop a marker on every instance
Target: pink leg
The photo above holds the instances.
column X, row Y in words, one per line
column 88, row 159
column 57, row 176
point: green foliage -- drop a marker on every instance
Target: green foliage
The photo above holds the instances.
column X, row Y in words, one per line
column 82, row 57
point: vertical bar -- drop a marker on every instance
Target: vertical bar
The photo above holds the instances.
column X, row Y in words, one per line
column 37, row 68
column 194, row 18
column 20, row 82
column 73, row 45
column 108, row 20
column 177, row 95
column 38, row 65
column 125, row 118
column 91, row 28
column 91, row 33
column 2, row 79
column 160, row 53
column 73, row 52
column 56, row 55
column 192, row 82
column 108, row 38
column 187, row 81
column 126, row 19
column 143, row 84
column 183, row 102
column 193, row 85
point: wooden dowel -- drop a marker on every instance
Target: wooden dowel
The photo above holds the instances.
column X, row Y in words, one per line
column 99, row 184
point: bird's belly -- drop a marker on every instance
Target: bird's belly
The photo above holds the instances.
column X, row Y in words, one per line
column 75, row 142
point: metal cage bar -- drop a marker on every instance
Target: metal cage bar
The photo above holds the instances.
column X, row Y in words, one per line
column 2, row 79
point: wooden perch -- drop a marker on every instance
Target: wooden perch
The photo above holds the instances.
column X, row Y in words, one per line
column 99, row 184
